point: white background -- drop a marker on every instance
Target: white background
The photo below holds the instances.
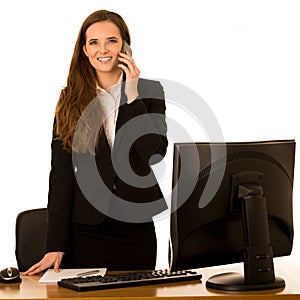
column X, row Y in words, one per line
column 241, row 57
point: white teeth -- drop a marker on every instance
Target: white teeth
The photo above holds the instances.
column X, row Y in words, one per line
column 104, row 58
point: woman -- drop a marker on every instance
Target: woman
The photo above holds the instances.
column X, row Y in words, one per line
column 90, row 220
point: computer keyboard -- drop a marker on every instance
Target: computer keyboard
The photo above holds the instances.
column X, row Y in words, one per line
column 126, row 279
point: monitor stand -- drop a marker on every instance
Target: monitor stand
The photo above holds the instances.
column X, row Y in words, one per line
column 258, row 255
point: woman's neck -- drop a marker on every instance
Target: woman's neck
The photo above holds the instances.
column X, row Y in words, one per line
column 107, row 80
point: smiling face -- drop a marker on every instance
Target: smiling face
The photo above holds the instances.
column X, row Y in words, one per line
column 103, row 43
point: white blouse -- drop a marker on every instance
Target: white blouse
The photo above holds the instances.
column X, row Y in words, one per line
column 109, row 103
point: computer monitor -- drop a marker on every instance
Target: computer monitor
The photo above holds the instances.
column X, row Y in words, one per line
column 249, row 217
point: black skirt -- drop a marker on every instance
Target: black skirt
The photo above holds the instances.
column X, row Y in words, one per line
column 114, row 245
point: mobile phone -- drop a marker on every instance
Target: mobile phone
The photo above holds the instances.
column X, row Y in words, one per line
column 126, row 48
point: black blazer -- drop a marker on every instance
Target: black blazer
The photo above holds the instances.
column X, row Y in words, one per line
column 74, row 190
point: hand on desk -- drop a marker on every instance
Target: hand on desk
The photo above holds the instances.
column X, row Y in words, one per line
column 50, row 259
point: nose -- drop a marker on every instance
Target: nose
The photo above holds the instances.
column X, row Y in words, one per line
column 102, row 48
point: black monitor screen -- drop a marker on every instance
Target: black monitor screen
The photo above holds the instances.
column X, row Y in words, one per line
column 232, row 202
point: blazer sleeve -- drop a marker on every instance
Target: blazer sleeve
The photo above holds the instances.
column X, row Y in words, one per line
column 60, row 197
column 151, row 106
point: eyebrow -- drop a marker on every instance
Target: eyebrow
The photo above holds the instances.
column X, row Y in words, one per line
column 95, row 39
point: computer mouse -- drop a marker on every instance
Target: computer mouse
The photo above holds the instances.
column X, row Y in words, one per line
column 10, row 275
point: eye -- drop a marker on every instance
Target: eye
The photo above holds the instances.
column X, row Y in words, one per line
column 112, row 41
column 93, row 42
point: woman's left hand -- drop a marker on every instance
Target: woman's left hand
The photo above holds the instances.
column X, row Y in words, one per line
column 132, row 76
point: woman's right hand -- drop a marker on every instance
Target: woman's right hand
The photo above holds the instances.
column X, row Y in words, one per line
column 50, row 259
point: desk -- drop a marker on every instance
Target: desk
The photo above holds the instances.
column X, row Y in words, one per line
column 29, row 288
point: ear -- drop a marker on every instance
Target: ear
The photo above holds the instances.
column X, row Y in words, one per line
column 84, row 50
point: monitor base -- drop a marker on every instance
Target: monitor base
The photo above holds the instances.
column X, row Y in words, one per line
column 236, row 282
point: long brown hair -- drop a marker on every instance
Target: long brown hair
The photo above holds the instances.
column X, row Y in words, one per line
column 81, row 86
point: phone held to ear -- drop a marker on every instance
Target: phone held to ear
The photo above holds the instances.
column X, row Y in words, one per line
column 126, row 48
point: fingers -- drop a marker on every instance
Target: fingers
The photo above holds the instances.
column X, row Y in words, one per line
column 131, row 70
column 50, row 259
column 37, row 268
column 132, row 76
column 57, row 264
column 30, row 270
